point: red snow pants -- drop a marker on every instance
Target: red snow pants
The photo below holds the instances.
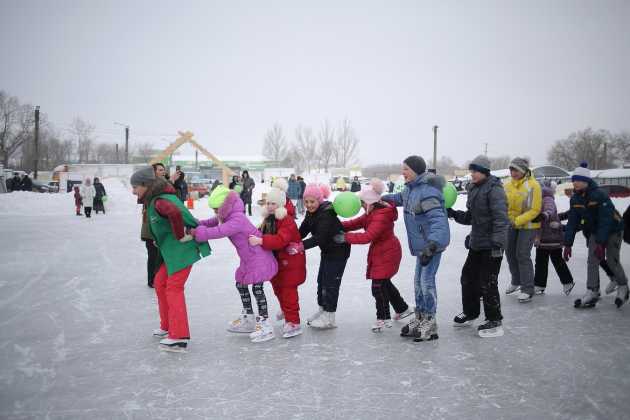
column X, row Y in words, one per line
column 172, row 302
column 289, row 302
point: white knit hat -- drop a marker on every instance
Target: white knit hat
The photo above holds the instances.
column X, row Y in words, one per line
column 281, row 184
column 279, row 197
column 581, row 173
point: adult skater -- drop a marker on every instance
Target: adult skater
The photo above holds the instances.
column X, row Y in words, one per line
column 87, row 196
column 153, row 255
column 428, row 235
column 98, row 198
column 593, row 212
column 248, row 191
column 486, row 212
column 524, row 204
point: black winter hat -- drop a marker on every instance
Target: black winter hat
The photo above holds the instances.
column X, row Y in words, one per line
column 416, row 163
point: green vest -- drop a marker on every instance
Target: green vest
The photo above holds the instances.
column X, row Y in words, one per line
column 177, row 255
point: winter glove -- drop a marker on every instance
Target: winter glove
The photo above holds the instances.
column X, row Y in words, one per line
column 339, row 238
column 186, row 238
column 600, row 252
column 295, row 248
column 555, row 225
column 451, row 213
column 566, row 254
column 496, row 253
column 427, row 253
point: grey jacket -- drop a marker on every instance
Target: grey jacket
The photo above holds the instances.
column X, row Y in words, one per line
column 487, row 213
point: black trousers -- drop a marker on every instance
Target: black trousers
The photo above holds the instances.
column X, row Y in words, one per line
column 480, row 279
column 152, row 261
column 385, row 293
column 329, row 282
column 88, row 211
column 542, row 266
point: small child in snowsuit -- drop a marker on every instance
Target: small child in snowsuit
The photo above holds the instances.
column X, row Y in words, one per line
column 257, row 265
column 384, row 254
column 78, row 202
column 281, row 235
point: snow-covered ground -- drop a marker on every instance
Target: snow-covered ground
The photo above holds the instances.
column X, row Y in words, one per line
column 76, row 318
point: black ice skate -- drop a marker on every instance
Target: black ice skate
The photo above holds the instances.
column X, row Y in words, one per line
column 589, row 300
column 177, row 345
column 622, row 295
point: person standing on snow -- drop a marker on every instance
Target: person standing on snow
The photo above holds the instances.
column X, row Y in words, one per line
column 486, row 213
column 428, row 235
column 524, row 204
column 168, row 220
column 293, row 191
column 593, row 212
column 87, row 195
column 300, row 201
column 248, row 191
column 384, row 254
column 98, row 198
column 548, row 244
column 356, row 185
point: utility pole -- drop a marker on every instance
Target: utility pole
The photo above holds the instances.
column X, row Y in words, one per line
column 196, row 160
column 117, row 157
column 126, row 140
column 36, row 141
column 435, row 130
column 485, row 150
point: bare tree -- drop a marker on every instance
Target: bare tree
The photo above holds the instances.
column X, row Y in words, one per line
column 305, row 147
column 622, row 147
column 106, row 153
column 82, row 133
column 16, row 125
column 346, row 146
column 446, row 166
column 275, row 146
column 594, row 147
column 144, row 152
column 325, row 146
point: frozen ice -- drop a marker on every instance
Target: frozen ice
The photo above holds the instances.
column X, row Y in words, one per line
column 76, row 318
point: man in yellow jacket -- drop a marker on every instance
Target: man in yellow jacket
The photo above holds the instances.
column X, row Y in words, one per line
column 524, row 197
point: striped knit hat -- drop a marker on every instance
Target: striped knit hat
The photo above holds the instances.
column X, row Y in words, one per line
column 582, row 173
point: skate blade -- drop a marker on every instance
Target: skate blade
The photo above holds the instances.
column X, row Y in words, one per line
column 579, row 305
column 290, row 335
column 419, row 339
column 263, row 338
column 377, row 330
column 492, row 334
column 173, row 349
column 240, row 331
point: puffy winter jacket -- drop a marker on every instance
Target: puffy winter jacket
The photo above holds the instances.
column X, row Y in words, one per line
column 550, row 236
column 593, row 212
column 291, row 268
column 486, row 212
column 294, row 189
column 425, row 216
column 323, row 225
column 385, row 251
column 87, row 194
column 524, row 202
column 257, row 264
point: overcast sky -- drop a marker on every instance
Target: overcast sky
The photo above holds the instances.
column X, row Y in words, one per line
column 516, row 75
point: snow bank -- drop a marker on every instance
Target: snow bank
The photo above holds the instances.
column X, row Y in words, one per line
column 119, row 201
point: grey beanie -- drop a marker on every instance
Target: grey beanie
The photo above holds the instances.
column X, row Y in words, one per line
column 143, row 176
column 520, row 164
column 416, row 163
column 480, row 164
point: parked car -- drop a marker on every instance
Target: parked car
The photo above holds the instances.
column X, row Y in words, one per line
column 201, row 188
column 39, row 186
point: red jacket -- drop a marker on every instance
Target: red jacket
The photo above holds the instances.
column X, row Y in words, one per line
column 385, row 252
column 291, row 268
column 290, row 207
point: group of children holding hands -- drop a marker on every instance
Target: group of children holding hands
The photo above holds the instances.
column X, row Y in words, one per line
column 275, row 252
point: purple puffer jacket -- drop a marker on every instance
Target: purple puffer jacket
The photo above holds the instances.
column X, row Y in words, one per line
column 551, row 235
column 257, row 265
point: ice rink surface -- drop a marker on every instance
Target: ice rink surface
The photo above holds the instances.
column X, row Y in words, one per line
column 76, row 318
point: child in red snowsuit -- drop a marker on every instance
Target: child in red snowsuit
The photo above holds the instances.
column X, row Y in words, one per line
column 281, row 235
column 78, row 201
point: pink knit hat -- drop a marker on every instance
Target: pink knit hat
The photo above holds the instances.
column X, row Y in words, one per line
column 319, row 192
column 372, row 193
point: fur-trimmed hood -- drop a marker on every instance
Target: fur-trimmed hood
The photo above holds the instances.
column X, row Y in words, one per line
column 280, row 213
column 232, row 204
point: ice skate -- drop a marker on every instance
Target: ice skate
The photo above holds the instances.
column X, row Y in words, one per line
column 589, row 300
column 325, row 321
column 175, row 345
column 462, row 320
column 291, row 330
column 511, row 289
column 379, row 326
column 411, row 328
column 622, row 295
column 524, row 297
column 611, row 287
column 490, row 329
column 246, row 323
column 427, row 330
column 263, row 331
column 403, row 315
column 567, row 288
column 539, row 290
column 314, row 316
column 160, row 333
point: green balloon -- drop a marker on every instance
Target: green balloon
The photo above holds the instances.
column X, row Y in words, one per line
column 347, row 204
column 450, row 195
column 104, row 199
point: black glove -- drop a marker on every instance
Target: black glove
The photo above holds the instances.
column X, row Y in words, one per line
column 451, row 213
column 339, row 238
column 427, row 253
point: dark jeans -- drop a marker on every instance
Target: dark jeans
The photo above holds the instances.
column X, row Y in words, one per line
column 152, row 261
column 384, row 293
column 88, row 211
column 542, row 266
column 480, row 279
column 329, row 282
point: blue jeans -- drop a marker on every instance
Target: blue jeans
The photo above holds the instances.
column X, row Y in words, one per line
column 424, row 285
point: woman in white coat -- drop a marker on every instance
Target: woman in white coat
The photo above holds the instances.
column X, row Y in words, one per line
column 87, row 194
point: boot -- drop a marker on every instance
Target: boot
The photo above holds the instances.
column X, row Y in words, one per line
column 427, row 330
column 315, row 315
column 411, row 328
column 589, row 300
column 325, row 321
column 622, row 295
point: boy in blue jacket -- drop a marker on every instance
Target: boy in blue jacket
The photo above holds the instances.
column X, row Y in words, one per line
column 428, row 235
